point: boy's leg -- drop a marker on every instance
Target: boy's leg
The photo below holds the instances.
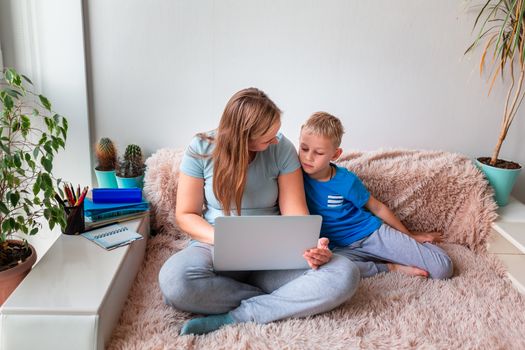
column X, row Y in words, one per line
column 188, row 282
column 388, row 244
column 368, row 266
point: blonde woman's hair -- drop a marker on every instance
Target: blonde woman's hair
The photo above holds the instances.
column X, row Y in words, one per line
column 248, row 115
column 326, row 125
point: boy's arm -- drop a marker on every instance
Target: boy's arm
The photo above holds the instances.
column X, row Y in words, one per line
column 384, row 213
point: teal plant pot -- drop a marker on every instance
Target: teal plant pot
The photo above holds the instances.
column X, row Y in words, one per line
column 130, row 182
column 501, row 180
column 106, row 179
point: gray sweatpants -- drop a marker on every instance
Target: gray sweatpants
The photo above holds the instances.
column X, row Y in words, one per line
column 387, row 244
column 188, row 282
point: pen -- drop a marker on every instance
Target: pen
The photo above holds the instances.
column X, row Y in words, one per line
column 72, row 189
column 59, row 200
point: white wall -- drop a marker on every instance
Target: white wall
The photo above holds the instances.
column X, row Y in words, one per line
column 393, row 71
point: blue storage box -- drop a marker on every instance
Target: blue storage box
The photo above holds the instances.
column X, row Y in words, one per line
column 117, row 195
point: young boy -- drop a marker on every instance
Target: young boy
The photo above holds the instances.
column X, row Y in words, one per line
column 357, row 225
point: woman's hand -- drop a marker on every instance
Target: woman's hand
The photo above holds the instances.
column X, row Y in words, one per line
column 318, row 256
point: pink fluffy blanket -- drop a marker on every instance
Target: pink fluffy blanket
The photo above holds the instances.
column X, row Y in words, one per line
column 429, row 191
column 476, row 308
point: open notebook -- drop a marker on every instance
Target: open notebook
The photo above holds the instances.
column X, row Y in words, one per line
column 111, row 237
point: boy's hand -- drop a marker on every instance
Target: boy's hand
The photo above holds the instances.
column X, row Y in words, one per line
column 318, row 256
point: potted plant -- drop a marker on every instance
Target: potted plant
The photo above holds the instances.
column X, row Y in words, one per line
column 130, row 170
column 502, row 27
column 106, row 154
column 30, row 136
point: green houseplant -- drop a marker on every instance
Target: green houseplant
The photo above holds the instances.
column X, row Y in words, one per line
column 501, row 25
column 106, row 154
column 31, row 134
column 130, row 169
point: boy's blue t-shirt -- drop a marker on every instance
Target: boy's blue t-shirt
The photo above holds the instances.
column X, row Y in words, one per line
column 341, row 202
column 261, row 191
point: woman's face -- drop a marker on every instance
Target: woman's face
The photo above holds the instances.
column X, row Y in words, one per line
column 261, row 143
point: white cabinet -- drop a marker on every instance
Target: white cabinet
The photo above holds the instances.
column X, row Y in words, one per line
column 73, row 297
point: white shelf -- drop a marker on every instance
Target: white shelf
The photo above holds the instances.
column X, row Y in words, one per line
column 512, row 212
column 515, row 271
column 73, row 297
column 509, row 242
column 514, row 232
column 511, row 223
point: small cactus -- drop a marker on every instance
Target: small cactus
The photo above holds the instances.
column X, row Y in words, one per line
column 133, row 153
column 106, row 154
column 133, row 163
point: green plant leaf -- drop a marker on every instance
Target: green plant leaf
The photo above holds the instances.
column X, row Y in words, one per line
column 16, row 160
column 63, row 130
column 47, row 164
column 45, row 102
column 6, row 226
column 502, row 29
column 8, row 76
column 13, row 93
column 14, row 198
column 8, row 102
column 3, row 208
column 27, row 79
column 47, row 182
column 5, row 148
column 36, row 185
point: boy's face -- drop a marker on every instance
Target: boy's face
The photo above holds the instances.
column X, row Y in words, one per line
column 315, row 154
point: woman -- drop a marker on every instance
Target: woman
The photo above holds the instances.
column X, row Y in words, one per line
column 245, row 167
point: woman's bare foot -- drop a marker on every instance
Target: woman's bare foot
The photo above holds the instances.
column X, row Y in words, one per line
column 427, row 237
column 408, row 270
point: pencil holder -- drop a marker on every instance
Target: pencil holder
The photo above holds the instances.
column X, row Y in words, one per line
column 75, row 223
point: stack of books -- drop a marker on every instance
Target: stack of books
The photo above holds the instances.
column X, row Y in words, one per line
column 109, row 206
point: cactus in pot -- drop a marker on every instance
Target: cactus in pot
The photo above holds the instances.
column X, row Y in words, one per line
column 106, row 154
column 130, row 170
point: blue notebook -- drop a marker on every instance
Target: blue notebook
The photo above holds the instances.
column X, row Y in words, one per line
column 111, row 237
column 106, row 210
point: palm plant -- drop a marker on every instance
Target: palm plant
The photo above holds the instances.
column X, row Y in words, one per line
column 501, row 26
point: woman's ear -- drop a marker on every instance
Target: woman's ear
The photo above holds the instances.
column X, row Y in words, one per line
column 337, row 154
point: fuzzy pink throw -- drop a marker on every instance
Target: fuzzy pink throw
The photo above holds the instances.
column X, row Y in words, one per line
column 477, row 308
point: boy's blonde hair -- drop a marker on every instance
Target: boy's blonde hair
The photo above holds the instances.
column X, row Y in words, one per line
column 326, row 125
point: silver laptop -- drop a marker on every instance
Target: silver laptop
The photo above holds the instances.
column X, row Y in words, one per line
column 271, row 242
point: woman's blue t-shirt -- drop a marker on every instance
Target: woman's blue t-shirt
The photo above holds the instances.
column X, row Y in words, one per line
column 261, row 190
column 341, row 202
